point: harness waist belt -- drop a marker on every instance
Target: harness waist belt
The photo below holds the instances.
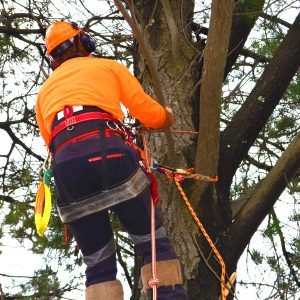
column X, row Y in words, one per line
column 105, row 199
column 81, row 118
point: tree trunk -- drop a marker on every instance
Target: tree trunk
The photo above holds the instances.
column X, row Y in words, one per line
column 165, row 42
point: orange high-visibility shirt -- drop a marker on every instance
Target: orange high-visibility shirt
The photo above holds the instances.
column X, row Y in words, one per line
column 97, row 82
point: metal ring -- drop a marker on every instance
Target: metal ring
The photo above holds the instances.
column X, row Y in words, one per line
column 122, row 128
column 115, row 127
column 70, row 128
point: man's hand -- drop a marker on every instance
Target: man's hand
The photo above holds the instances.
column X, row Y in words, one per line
column 169, row 109
column 169, row 118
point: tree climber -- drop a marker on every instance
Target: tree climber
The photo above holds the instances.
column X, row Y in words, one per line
column 94, row 167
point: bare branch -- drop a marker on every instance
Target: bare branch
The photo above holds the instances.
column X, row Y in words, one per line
column 172, row 27
column 263, row 198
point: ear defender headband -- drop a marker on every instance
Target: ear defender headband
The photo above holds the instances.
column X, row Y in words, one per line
column 85, row 39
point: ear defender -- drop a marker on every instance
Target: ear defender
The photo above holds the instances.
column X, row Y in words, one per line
column 53, row 64
column 85, row 39
column 87, row 42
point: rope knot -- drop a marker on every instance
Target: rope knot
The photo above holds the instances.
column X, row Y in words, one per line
column 153, row 282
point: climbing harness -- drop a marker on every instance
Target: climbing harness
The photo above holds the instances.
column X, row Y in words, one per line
column 43, row 200
column 71, row 120
column 112, row 126
column 104, row 200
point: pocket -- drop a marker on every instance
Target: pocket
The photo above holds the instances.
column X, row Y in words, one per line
column 119, row 165
column 109, row 156
column 78, row 179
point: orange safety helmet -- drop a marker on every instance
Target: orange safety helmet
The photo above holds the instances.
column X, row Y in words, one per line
column 58, row 33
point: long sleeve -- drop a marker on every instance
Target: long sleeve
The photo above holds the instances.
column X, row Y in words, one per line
column 141, row 106
column 97, row 82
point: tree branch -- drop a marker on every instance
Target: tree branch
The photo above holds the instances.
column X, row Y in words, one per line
column 244, row 18
column 17, row 141
column 153, row 70
column 172, row 27
column 7, row 199
column 124, row 266
column 207, row 151
column 236, row 139
column 262, row 199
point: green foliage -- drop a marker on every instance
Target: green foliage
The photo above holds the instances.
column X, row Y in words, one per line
column 282, row 125
column 272, row 228
column 267, row 47
column 292, row 94
column 256, row 256
column 45, row 285
column 249, row 10
column 5, row 44
column 272, row 261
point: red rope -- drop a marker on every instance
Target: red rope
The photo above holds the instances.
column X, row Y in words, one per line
column 175, row 131
column 153, row 282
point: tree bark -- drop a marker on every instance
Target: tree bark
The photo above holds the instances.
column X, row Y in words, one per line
column 168, row 38
column 207, row 153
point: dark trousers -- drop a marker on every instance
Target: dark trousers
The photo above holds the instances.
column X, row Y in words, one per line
column 80, row 170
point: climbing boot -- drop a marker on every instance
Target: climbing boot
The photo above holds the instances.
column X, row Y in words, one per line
column 170, row 280
column 109, row 290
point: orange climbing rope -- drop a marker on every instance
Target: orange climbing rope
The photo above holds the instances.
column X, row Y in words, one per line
column 207, row 237
column 178, row 175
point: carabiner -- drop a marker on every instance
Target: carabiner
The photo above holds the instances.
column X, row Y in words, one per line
column 115, row 127
column 70, row 128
